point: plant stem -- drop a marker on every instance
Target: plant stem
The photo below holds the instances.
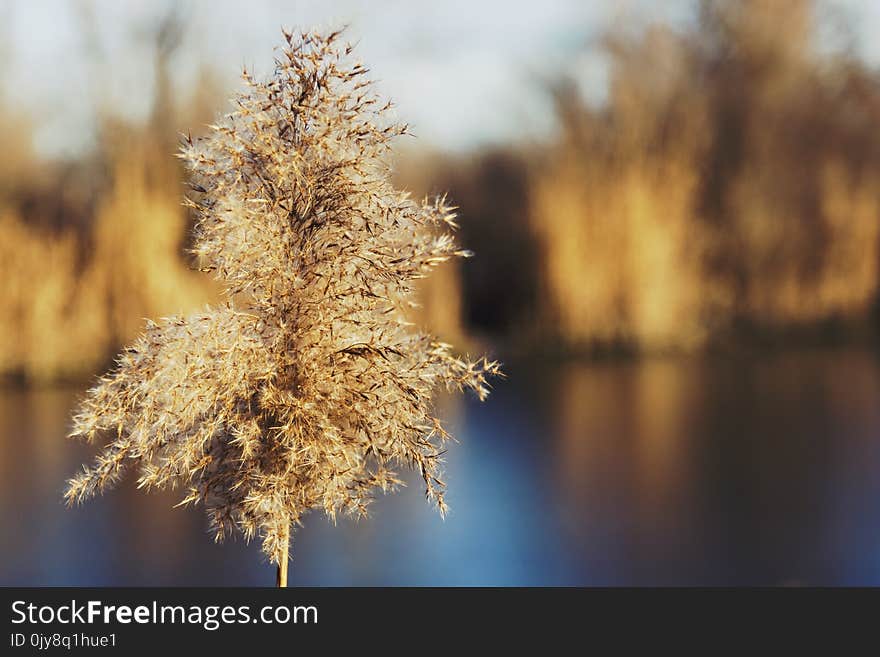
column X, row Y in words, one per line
column 281, row 575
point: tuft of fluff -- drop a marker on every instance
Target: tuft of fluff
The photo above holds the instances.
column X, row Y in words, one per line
column 307, row 387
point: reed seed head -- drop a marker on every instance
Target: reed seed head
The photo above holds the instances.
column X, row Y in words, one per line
column 307, row 388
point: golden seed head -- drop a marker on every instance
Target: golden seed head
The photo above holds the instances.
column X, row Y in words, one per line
column 308, row 386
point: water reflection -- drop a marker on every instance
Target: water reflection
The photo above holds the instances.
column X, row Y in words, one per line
column 625, row 433
column 748, row 470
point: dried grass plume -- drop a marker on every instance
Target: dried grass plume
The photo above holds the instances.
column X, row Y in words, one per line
column 308, row 386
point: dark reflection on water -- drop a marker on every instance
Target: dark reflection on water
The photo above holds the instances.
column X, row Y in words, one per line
column 758, row 470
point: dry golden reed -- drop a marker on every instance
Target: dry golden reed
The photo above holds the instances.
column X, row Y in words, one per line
column 307, row 387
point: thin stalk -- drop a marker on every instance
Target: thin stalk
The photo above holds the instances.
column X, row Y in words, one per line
column 281, row 575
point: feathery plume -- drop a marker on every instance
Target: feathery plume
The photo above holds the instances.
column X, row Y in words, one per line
column 307, row 387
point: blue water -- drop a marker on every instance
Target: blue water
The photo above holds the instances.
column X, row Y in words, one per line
column 761, row 469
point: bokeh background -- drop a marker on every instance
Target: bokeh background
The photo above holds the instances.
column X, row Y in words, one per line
column 676, row 213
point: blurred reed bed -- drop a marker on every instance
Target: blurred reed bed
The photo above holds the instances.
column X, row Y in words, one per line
column 89, row 247
column 727, row 191
column 81, row 273
column 729, row 187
